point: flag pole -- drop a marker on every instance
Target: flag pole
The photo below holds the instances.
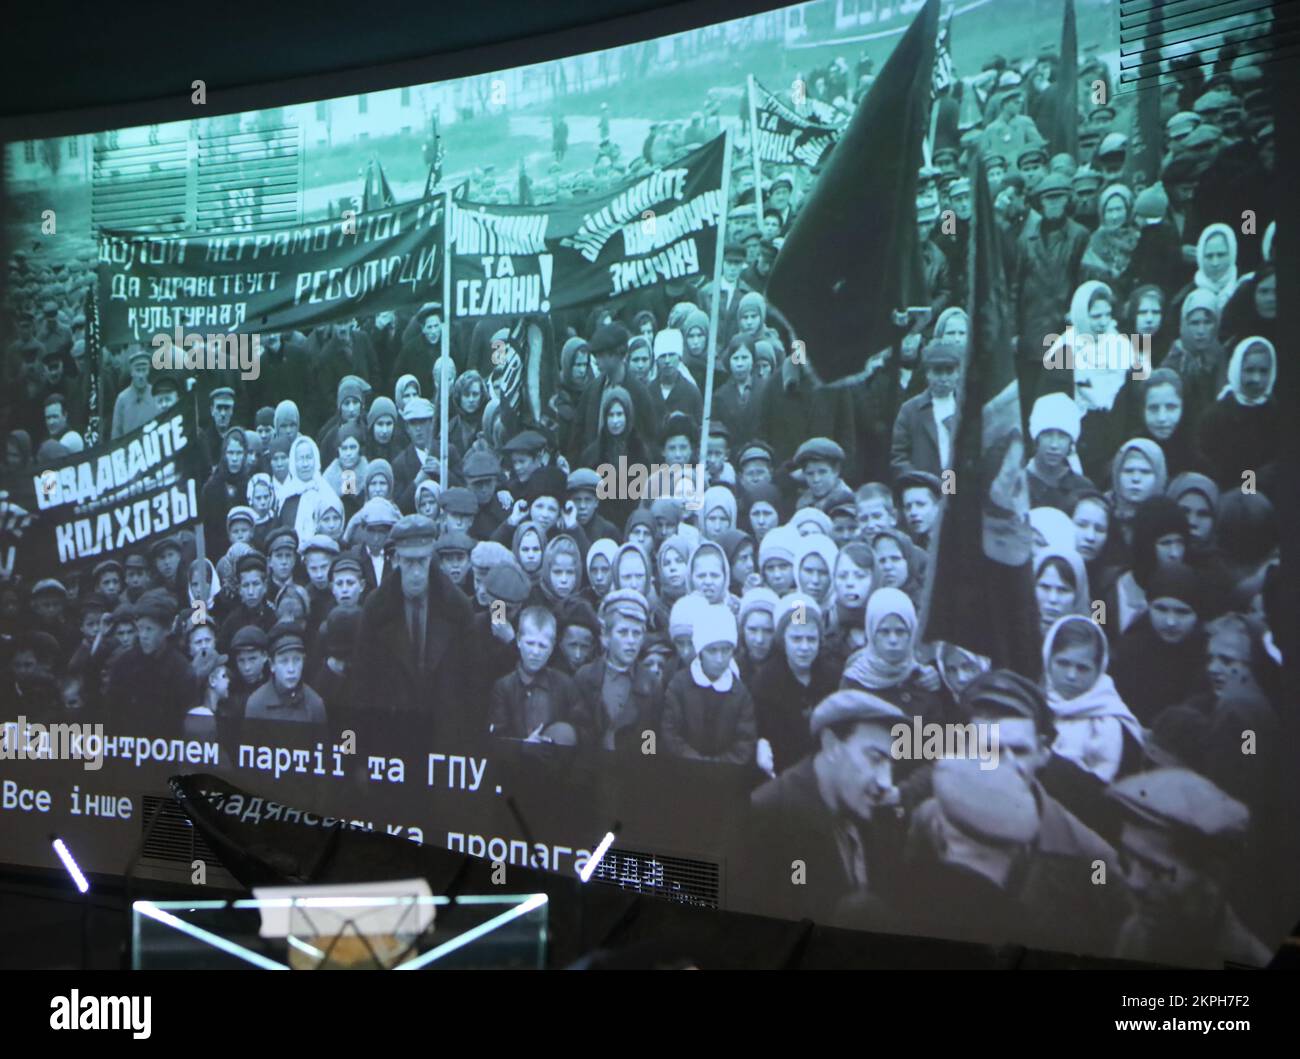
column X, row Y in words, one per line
column 444, row 399
column 714, row 308
column 753, row 150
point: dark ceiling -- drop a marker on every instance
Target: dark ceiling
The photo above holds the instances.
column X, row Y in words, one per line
column 59, row 55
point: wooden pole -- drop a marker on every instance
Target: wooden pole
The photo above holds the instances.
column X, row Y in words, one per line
column 444, row 398
column 714, row 310
column 753, row 150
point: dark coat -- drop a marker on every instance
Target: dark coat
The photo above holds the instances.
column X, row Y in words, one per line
column 915, row 444
column 150, row 694
column 683, row 396
column 1047, row 273
column 586, row 423
column 428, row 700
column 793, row 408
column 708, row 725
column 789, row 821
column 516, row 709
column 640, row 714
column 782, row 705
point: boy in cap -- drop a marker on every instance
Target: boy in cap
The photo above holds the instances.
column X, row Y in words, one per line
column 923, row 431
column 248, row 648
column 253, row 607
column 282, row 559
column 581, row 492
column 755, row 464
column 579, row 635
column 373, row 524
column 318, row 552
column 331, row 680
column 821, row 462
column 505, row 589
column 708, row 713
column 286, row 698
column 835, row 810
column 91, row 612
column 919, row 495
column 452, row 550
column 347, row 582
column 211, row 689
column 530, row 702
column 150, row 686
column 618, row 704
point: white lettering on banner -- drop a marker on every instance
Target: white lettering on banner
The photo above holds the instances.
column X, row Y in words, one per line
column 677, row 262
column 597, row 228
column 478, row 232
column 699, row 213
column 112, row 476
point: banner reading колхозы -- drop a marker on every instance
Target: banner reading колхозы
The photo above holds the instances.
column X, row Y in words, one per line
column 248, row 282
column 93, row 505
column 652, row 228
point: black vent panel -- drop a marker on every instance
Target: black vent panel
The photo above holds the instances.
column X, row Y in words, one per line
column 680, row 879
column 174, row 839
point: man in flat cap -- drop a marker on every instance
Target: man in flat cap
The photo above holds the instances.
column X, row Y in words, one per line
column 581, row 490
column 413, row 643
column 618, row 701
column 926, row 426
column 1180, row 838
column 730, row 290
column 419, row 460
column 135, row 405
column 221, row 405
column 150, row 687
column 826, row 833
column 375, row 522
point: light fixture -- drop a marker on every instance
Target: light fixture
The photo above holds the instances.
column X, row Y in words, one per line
column 70, row 864
column 597, row 855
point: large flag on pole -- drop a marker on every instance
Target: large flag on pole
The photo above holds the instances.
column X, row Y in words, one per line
column 1059, row 117
column 377, row 195
column 91, row 360
column 980, row 590
column 784, row 136
column 852, row 258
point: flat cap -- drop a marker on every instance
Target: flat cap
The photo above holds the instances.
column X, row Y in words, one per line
column 583, row 479
column 458, row 501
column 252, row 561
column 222, row 391
column 1086, row 177
column 992, row 804
column 1034, row 150
column 938, row 351
column 414, row 534
column 922, row 478
column 155, row 607
column 378, row 511
column 525, row 441
column 609, row 338
column 856, row 706
column 454, row 541
column 283, row 537
column 49, row 584
column 818, row 449
column 345, row 561
column 480, row 462
column 95, row 601
column 164, row 544
column 134, row 561
column 250, row 638
column 1181, row 124
column 205, row 663
column 507, row 582
column 1009, row 691
column 1052, row 184
column 241, row 511
column 756, row 450
column 1179, row 799
column 318, row 542
column 1112, row 143
column 417, row 408
column 287, row 636
column 112, row 566
column 626, row 603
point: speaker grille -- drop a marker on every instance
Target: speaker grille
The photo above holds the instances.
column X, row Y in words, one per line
column 174, row 839
column 1201, row 33
column 680, row 879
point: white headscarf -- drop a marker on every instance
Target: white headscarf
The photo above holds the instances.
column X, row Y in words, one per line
column 1247, row 345
column 313, row 493
column 1222, row 290
column 1103, row 362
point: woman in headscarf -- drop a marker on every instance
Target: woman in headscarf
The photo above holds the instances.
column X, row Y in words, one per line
column 953, row 327
column 408, row 386
column 1163, row 420
column 695, row 340
column 1146, row 316
column 814, row 568
column 717, row 512
column 757, row 624
column 617, row 444
column 529, row 546
column 1196, row 354
column 1092, row 516
column 639, row 529
column 1052, row 528
column 886, row 666
column 203, row 585
column 1252, row 309
column 1137, row 473
column 350, row 406
column 561, row 577
column 673, row 563
column 1110, row 248
column 851, row 584
column 1159, row 536
column 958, row 667
column 575, row 372
column 1060, row 586
column 1093, row 363
column 742, row 556
column 427, row 496
column 378, row 481
column 1240, row 430
column 308, row 489
column 899, row 563
column 1160, row 659
column 1094, row 728
column 260, row 494
column 600, row 569
column 790, row 684
column 709, row 574
column 225, row 488
column 386, row 434
column 348, row 460
column 764, row 509
column 1199, row 499
column 468, row 400
column 329, row 519
column 1216, row 265
column 735, row 402
column 287, row 421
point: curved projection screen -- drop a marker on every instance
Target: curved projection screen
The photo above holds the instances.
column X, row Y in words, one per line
column 834, row 446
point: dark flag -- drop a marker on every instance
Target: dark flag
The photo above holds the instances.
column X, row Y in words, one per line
column 980, row 589
column 91, row 360
column 852, row 258
column 377, row 194
column 1059, row 117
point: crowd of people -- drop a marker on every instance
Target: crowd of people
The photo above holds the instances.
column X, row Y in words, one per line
column 770, row 620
